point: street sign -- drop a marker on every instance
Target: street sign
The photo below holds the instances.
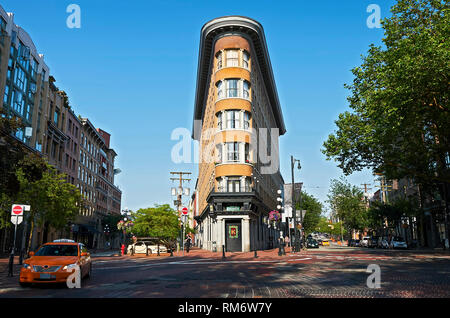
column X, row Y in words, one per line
column 185, row 211
column 17, row 209
column 16, row 220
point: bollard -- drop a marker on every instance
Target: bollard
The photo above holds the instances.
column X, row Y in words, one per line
column 256, row 255
column 223, row 251
column 11, row 265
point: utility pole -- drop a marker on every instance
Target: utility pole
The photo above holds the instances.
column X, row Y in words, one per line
column 179, row 193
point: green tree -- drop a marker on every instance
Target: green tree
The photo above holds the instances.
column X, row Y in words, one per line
column 400, row 99
column 313, row 209
column 380, row 214
column 348, row 202
column 54, row 202
column 159, row 221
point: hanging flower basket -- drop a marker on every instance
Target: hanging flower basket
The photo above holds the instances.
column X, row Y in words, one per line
column 274, row 216
column 122, row 225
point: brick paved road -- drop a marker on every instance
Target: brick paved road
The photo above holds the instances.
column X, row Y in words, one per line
column 326, row 272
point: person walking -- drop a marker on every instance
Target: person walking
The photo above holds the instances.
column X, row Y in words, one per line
column 187, row 243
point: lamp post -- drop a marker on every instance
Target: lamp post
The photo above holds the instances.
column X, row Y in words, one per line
column 125, row 213
column 280, row 208
column 296, row 237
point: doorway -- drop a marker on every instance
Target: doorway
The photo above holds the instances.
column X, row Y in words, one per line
column 233, row 236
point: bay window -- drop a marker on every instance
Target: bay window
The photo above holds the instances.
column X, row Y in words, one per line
column 233, row 88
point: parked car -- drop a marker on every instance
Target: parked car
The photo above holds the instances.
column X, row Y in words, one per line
column 373, row 242
column 311, row 243
column 383, row 242
column 141, row 247
column 365, row 241
column 319, row 241
column 398, row 242
column 54, row 262
column 325, row 243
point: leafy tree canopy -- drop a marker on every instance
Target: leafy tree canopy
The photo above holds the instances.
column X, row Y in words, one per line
column 400, row 99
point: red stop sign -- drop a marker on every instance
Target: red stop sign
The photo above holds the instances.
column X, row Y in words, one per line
column 184, row 211
column 17, row 210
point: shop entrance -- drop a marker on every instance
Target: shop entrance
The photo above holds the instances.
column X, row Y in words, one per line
column 233, row 236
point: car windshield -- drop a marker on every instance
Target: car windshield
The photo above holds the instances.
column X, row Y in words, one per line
column 58, row 250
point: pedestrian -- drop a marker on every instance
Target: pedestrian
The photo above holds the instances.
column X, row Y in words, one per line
column 187, row 243
column 286, row 240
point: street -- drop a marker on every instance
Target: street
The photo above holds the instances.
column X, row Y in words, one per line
column 326, row 272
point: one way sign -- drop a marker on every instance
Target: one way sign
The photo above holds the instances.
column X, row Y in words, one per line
column 17, row 213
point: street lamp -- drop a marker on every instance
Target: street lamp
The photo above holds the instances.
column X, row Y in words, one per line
column 296, row 237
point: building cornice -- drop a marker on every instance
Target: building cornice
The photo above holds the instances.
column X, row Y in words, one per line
column 209, row 34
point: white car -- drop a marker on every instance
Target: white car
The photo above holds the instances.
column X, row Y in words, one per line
column 398, row 242
column 141, row 248
column 365, row 241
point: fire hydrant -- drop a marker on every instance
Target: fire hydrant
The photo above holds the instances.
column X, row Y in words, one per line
column 122, row 249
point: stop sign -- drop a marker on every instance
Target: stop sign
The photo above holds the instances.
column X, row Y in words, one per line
column 17, row 210
column 184, row 211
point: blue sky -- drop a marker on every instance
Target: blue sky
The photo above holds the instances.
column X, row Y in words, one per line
column 131, row 69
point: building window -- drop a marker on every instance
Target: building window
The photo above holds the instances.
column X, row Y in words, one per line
column 56, row 117
column 245, row 59
column 232, row 58
column 234, row 184
column 219, row 120
column 246, row 93
column 220, row 90
column 232, row 151
column 233, row 119
column 219, row 60
column 232, row 88
column 247, row 153
column 246, row 120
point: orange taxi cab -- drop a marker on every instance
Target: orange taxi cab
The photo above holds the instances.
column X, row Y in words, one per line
column 54, row 262
column 325, row 243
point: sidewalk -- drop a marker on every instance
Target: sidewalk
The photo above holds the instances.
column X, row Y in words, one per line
column 196, row 253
